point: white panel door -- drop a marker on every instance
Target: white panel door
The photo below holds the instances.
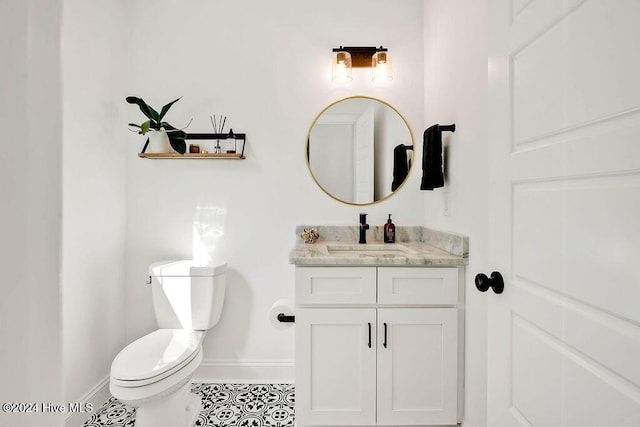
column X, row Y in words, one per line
column 417, row 366
column 335, row 366
column 564, row 160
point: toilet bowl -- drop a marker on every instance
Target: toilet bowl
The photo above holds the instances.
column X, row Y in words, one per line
column 153, row 374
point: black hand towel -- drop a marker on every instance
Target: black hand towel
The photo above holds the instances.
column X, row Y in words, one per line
column 432, row 176
column 400, row 166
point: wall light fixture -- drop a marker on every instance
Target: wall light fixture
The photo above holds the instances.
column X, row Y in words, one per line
column 344, row 58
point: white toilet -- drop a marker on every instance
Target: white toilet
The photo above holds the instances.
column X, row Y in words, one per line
column 153, row 373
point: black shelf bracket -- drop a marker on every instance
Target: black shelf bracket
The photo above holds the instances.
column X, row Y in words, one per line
column 217, row 136
column 242, row 136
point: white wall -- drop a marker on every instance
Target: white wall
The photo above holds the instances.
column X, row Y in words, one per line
column 455, row 43
column 30, row 168
column 265, row 65
column 94, row 192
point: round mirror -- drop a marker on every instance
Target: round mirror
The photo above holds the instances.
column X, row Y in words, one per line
column 360, row 150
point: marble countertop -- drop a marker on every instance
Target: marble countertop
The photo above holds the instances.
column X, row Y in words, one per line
column 415, row 246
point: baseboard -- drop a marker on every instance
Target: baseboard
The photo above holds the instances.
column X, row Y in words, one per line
column 246, row 371
column 91, row 401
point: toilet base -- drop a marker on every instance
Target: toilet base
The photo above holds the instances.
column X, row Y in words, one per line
column 178, row 409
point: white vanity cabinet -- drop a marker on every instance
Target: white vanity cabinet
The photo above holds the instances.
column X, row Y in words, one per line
column 377, row 346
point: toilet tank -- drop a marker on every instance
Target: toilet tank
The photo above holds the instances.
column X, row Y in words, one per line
column 187, row 295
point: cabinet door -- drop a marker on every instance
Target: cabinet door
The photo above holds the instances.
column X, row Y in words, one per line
column 417, row 369
column 335, row 366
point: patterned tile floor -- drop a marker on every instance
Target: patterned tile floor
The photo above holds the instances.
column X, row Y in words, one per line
column 224, row 405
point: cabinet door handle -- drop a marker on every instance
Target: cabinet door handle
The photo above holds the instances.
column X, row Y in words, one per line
column 369, row 324
column 384, row 344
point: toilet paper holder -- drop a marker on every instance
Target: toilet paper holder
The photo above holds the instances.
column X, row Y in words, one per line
column 284, row 318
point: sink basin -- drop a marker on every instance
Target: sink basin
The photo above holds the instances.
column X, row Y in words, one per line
column 367, row 250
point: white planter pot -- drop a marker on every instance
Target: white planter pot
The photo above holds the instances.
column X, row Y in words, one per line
column 158, row 142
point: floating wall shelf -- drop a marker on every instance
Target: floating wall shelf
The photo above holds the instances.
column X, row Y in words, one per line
column 237, row 156
column 240, row 138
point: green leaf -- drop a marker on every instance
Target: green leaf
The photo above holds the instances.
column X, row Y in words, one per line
column 166, row 108
column 146, row 109
column 177, row 141
column 145, row 126
column 177, row 133
column 167, row 126
column 135, row 125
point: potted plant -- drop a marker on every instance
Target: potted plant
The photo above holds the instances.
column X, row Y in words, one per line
column 159, row 129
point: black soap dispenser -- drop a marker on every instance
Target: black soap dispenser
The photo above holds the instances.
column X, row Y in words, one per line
column 389, row 231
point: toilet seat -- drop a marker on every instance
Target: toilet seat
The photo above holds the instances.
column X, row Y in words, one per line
column 155, row 356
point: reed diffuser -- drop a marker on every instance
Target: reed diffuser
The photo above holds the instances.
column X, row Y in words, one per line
column 218, row 123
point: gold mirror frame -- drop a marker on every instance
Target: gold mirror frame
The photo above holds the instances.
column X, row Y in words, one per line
column 391, row 193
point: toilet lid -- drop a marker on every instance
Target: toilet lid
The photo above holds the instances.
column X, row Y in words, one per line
column 156, row 354
column 186, row 269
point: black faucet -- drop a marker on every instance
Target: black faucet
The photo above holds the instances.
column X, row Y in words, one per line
column 363, row 228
